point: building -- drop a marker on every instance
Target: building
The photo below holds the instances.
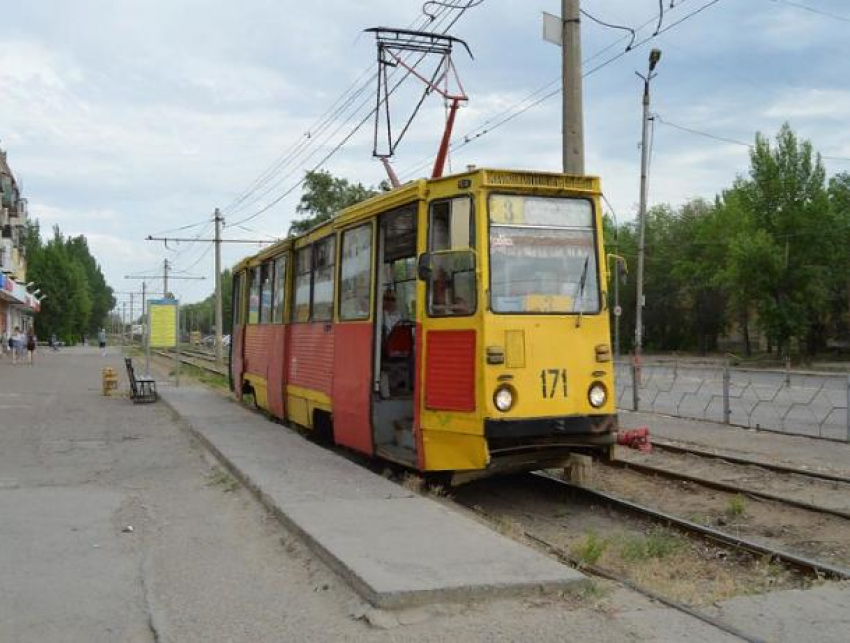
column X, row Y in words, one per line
column 17, row 304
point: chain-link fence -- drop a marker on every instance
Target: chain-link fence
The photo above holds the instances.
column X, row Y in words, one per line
column 799, row 403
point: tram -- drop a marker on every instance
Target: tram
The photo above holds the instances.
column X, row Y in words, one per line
column 454, row 324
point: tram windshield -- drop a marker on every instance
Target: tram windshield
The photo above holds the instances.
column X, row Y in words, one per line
column 542, row 255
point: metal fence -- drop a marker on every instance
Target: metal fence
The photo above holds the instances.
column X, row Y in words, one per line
column 797, row 403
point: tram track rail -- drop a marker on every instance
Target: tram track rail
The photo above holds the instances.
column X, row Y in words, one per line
column 771, row 466
column 195, row 359
column 727, row 487
column 564, row 555
column 803, row 564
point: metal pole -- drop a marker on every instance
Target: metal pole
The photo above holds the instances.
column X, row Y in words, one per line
column 177, row 348
column 654, row 56
column 165, row 278
column 218, row 306
column 123, row 320
column 617, row 310
column 132, row 310
column 727, row 376
column 147, row 329
column 573, row 117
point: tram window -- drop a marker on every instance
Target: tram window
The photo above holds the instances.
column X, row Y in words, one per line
column 355, row 285
column 451, row 224
column 254, row 296
column 266, row 276
column 238, row 312
column 301, row 306
column 452, row 285
column 279, row 289
column 323, row 279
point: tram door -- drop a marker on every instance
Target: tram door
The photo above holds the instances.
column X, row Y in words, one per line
column 395, row 336
column 447, row 393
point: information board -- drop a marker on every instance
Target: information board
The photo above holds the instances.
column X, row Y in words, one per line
column 163, row 326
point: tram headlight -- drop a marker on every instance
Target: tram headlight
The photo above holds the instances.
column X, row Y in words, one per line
column 503, row 398
column 597, row 394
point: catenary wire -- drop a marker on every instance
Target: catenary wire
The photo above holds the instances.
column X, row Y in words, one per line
column 339, row 145
column 320, row 127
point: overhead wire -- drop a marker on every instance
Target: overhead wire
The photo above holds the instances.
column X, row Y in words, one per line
column 470, row 4
column 732, row 141
column 820, row 12
column 320, row 126
column 319, row 145
column 518, row 111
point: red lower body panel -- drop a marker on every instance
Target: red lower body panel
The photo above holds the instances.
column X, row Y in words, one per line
column 352, row 386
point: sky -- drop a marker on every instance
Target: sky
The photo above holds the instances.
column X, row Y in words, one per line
column 126, row 118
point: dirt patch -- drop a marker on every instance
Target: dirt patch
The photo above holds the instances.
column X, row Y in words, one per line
column 683, row 569
column 809, row 533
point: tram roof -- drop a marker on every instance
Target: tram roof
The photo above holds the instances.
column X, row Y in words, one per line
column 478, row 178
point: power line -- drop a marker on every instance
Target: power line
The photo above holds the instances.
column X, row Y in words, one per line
column 324, row 122
column 340, row 144
column 724, row 139
column 819, row 12
column 515, row 111
column 366, row 103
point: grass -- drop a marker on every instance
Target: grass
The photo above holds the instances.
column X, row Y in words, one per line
column 205, row 377
column 590, row 550
column 736, row 507
column 658, row 543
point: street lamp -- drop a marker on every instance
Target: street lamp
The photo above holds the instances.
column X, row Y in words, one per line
column 654, row 57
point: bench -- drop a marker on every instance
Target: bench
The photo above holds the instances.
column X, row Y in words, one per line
column 142, row 388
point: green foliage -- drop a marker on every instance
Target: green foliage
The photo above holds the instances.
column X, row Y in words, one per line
column 78, row 299
column 200, row 316
column 590, row 550
column 325, row 195
column 658, row 543
column 736, row 506
column 772, row 252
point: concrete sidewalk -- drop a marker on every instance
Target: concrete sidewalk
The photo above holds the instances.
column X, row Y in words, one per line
column 394, row 547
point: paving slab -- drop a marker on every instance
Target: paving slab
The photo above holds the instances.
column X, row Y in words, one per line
column 395, row 548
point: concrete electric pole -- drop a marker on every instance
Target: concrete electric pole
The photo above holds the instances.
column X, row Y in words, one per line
column 573, row 116
column 654, row 57
column 219, row 360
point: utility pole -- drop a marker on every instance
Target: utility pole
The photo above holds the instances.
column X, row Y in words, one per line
column 218, row 308
column 654, row 57
column 165, row 278
column 573, row 116
column 216, row 241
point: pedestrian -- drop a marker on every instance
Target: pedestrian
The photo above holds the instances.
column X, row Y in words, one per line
column 101, row 340
column 16, row 341
column 54, row 342
column 32, row 342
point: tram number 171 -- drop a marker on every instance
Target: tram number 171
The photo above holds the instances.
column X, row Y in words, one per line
column 553, row 380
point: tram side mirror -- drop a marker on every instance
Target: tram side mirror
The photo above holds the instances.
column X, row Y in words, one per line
column 424, row 268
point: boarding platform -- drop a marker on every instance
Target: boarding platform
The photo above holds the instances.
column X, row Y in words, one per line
column 394, row 547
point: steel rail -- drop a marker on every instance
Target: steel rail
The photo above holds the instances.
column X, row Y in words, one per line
column 814, row 567
column 727, row 487
column 565, row 557
column 197, row 362
column 772, row 466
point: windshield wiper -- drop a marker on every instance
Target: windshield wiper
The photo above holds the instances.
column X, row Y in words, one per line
column 580, row 292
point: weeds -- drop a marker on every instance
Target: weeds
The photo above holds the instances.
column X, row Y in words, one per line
column 736, row 506
column 658, row 543
column 590, row 550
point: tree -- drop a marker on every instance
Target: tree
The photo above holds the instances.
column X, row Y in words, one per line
column 324, row 196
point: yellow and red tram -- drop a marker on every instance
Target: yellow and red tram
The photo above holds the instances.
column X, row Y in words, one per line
column 455, row 324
